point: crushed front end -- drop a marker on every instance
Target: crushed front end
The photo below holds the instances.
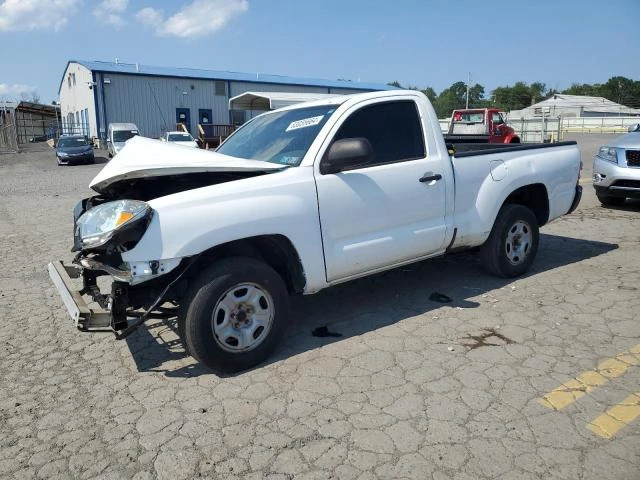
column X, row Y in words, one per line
column 104, row 233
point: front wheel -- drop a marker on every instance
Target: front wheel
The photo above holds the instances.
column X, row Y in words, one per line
column 234, row 314
column 513, row 243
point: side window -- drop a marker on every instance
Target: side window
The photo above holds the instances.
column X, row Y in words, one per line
column 393, row 128
column 497, row 119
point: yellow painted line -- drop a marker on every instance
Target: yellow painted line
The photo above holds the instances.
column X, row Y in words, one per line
column 578, row 387
column 617, row 417
column 584, row 181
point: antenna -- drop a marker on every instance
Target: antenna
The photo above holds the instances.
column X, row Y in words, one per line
column 468, row 82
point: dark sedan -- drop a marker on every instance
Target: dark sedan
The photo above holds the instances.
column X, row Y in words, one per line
column 72, row 149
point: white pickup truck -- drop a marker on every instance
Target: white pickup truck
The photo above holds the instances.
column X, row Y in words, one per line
column 295, row 201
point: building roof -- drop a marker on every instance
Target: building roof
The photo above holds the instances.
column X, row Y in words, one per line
column 138, row 69
column 272, row 100
column 560, row 102
column 41, row 108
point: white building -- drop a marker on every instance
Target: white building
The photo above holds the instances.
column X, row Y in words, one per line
column 561, row 105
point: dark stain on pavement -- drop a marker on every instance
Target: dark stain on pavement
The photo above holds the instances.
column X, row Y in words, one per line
column 482, row 340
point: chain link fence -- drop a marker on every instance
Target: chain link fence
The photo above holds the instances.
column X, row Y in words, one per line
column 538, row 130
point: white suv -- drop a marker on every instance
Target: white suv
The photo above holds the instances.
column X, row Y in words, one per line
column 616, row 169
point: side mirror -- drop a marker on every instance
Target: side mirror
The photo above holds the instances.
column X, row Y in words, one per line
column 634, row 128
column 347, row 154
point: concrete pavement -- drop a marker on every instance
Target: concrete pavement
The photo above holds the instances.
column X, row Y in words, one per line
column 412, row 388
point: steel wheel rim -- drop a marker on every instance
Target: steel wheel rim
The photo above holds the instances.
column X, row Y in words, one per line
column 242, row 317
column 518, row 242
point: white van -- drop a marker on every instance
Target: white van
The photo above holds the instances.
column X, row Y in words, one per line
column 118, row 134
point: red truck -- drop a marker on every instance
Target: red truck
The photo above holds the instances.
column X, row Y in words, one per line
column 480, row 125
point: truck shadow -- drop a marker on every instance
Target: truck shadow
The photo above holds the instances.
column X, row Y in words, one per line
column 367, row 304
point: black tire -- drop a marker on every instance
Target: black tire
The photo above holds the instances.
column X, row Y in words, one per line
column 222, row 281
column 611, row 201
column 511, row 258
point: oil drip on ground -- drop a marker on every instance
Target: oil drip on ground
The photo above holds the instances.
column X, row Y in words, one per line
column 324, row 332
column 481, row 340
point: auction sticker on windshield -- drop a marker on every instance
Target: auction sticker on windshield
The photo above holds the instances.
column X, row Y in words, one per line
column 305, row 122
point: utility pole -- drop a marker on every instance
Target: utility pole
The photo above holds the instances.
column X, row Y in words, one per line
column 468, row 82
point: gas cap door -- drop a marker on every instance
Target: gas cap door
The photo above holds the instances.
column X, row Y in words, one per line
column 498, row 170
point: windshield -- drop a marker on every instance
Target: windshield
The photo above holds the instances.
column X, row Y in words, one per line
column 180, row 137
column 468, row 117
column 123, row 135
column 72, row 142
column 280, row 137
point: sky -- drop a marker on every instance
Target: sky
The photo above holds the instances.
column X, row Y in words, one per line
column 416, row 42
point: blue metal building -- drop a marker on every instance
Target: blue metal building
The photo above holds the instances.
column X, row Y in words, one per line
column 93, row 94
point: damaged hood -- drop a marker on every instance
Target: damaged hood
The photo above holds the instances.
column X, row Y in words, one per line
column 145, row 157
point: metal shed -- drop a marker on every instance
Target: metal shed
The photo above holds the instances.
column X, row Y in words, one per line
column 94, row 94
column 265, row 101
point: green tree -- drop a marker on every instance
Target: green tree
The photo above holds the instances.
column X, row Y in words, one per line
column 430, row 93
column 538, row 92
column 583, row 89
column 621, row 90
column 517, row 97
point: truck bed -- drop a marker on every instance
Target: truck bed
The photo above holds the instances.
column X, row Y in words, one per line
column 471, row 149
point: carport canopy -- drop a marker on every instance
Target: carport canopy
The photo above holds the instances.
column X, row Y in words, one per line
column 265, row 101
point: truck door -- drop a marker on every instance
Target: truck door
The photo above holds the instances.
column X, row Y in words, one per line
column 497, row 128
column 389, row 210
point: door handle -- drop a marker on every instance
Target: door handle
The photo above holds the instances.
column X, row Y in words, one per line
column 430, row 178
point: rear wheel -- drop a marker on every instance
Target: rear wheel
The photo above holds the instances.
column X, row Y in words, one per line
column 234, row 314
column 513, row 243
column 611, row 201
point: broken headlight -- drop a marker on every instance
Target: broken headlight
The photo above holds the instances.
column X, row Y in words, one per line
column 100, row 224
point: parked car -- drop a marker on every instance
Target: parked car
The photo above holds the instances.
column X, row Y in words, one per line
column 295, row 201
column 480, row 125
column 180, row 138
column 117, row 136
column 72, row 149
column 616, row 169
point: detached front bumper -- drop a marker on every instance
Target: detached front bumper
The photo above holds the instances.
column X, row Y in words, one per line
column 126, row 306
column 84, row 317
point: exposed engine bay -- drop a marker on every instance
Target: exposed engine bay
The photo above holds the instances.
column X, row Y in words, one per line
column 148, row 188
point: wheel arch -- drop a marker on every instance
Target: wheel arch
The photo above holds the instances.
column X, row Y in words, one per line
column 535, row 197
column 276, row 250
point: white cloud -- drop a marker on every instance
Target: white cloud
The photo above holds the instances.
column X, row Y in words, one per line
column 150, row 17
column 199, row 18
column 36, row 14
column 110, row 12
column 15, row 90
